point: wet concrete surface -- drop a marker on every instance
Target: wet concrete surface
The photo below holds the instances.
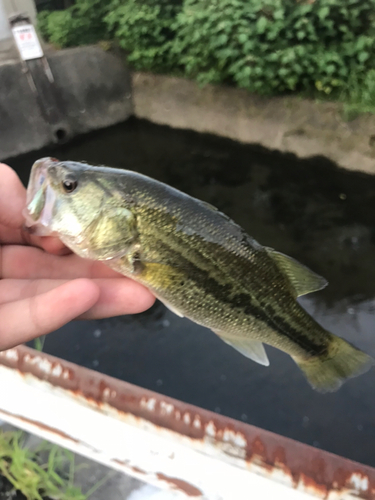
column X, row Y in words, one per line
column 309, row 209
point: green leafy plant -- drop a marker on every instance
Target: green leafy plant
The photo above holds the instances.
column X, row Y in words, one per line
column 36, row 478
column 144, row 29
column 81, row 24
column 274, row 46
column 22, row 469
column 324, row 47
column 358, row 95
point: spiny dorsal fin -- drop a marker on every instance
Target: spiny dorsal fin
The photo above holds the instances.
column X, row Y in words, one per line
column 252, row 349
column 301, row 277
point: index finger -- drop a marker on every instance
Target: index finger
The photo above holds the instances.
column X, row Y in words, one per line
column 34, row 316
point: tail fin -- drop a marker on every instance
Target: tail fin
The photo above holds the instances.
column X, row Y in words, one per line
column 328, row 372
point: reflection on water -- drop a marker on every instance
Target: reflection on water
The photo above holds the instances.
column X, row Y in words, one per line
column 309, row 209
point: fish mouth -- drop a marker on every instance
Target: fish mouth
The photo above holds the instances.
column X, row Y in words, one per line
column 40, row 199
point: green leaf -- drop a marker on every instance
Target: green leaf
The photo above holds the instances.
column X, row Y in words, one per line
column 323, row 13
column 278, row 14
column 222, row 39
column 363, row 56
column 261, row 25
column 243, row 37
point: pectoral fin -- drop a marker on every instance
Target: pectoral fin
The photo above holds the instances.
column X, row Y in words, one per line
column 301, row 277
column 252, row 349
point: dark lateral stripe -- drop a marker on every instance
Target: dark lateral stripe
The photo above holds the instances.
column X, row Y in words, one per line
column 269, row 316
column 225, row 294
column 286, row 329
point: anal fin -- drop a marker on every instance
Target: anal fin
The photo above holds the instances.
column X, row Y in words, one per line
column 250, row 348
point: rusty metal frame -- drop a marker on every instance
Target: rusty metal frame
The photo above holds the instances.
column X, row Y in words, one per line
column 166, row 442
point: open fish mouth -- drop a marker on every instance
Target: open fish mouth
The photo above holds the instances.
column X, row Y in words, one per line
column 40, row 199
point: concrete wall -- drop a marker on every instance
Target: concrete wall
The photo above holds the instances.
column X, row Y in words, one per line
column 8, row 50
column 304, row 127
column 92, row 90
column 4, row 25
column 24, row 6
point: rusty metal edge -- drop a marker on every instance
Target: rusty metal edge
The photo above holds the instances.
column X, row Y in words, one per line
column 308, row 468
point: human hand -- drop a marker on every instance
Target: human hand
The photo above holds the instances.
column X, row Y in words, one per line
column 43, row 285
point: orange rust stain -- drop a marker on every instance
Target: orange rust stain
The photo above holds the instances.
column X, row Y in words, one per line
column 42, row 426
column 279, row 456
column 311, row 484
column 120, row 462
column 181, row 485
column 138, row 470
column 127, row 464
column 258, row 447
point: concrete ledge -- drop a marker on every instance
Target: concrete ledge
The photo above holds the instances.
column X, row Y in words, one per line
column 91, row 90
column 95, row 86
column 304, row 127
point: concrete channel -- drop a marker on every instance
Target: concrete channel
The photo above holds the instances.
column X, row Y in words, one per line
column 93, row 89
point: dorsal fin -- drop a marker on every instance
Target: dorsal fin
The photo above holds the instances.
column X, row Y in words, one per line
column 301, row 277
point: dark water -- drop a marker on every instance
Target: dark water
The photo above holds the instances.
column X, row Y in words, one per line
column 309, row 209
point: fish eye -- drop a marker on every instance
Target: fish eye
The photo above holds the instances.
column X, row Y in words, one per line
column 69, row 185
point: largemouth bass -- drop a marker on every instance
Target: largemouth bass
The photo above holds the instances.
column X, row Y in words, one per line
column 193, row 258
